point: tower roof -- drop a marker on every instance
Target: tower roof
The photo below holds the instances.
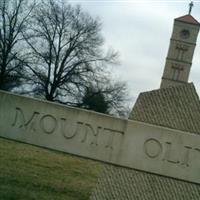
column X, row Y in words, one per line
column 176, row 107
column 188, row 19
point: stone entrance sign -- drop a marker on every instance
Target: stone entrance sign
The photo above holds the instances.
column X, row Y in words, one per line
column 112, row 140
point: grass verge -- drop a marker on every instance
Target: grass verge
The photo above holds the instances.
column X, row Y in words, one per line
column 29, row 173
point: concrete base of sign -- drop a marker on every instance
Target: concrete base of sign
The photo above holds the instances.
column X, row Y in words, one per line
column 112, row 140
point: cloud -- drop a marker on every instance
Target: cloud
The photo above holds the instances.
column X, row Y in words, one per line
column 141, row 32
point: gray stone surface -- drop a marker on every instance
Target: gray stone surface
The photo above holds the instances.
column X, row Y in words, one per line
column 122, row 142
column 116, row 183
column 175, row 107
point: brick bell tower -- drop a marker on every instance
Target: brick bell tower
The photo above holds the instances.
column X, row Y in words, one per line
column 181, row 50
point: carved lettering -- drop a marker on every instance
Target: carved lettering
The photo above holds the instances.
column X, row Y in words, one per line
column 152, row 148
column 48, row 123
column 21, row 122
column 89, row 130
column 111, row 137
column 186, row 157
column 92, row 134
column 197, row 149
column 69, row 134
column 168, row 156
column 95, row 140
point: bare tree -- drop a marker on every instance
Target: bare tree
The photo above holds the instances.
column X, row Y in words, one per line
column 65, row 50
column 13, row 16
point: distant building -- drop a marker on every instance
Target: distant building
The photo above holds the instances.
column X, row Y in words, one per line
column 181, row 50
column 175, row 105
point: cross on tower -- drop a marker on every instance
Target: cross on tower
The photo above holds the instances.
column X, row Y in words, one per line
column 190, row 7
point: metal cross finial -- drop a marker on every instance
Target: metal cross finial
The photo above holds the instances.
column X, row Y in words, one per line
column 190, row 7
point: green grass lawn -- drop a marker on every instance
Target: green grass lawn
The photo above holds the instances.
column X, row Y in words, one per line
column 29, row 172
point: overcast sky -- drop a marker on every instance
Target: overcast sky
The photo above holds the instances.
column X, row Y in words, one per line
column 140, row 31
